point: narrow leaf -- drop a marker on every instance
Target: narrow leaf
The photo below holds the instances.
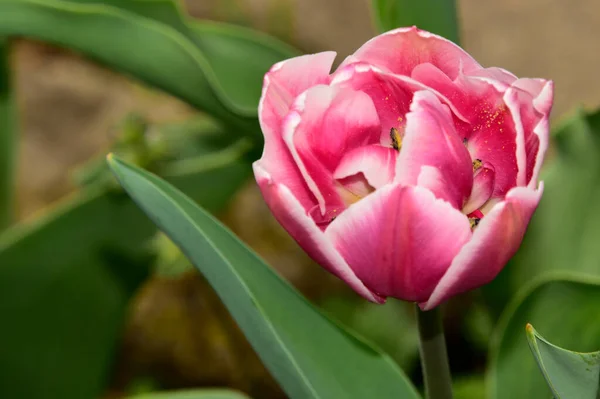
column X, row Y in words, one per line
column 308, row 354
column 66, row 277
column 436, row 16
column 214, row 67
column 569, row 374
column 562, row 304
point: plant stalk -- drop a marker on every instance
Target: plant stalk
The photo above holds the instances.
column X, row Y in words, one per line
column 434, row 357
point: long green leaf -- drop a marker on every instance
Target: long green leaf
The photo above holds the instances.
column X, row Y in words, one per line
column 437, row 16
column 65, row 280
column 215, row 67
column 563, row 234
column 8, row 131
column 569, row 374
column 310, row 356
column 192, row 394
column 565, row 306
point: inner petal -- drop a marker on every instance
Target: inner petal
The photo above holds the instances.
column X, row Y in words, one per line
column 375, row 162
column 431, row 140
column 325, row 123
column 390, row 94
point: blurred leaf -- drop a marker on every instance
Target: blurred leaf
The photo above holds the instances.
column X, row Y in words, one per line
column 564, row 232
column 565, row 306
column 569, row 374
column 215, row 67
column 436, row 16
column 390, row 326
column 193, row 394
column 309, row 355
column 8, row 139
column 65, row 279
column 471, row 387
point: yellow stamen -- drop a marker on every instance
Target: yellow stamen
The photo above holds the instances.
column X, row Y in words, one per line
column 396, row 139
column 474, row 222
column 477, row 164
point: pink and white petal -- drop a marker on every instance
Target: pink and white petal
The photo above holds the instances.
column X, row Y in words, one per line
column 531, row 127
column 325, row 123
column 391, row 94
column 483, row 186
column 375, row 162
column 400, row 50
column 435, row 181
column 430, row 139
column 494, row 242
column 501, row 78
column 400, row 240
column 493, row 139
column 282, row 84
column 290, row 214
column 543, row 104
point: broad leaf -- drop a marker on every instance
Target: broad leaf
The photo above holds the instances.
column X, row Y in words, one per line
column 307, row 353
column 436, row 16
column 569, row 374
column 65, row 279
column 8, row 139
column 563, row 234
column 192, row 394
column 562, row 305
column 214, row 67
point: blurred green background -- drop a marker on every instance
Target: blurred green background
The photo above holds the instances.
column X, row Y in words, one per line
column 169, row 330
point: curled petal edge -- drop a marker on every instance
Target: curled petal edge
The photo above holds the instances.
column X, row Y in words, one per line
column 291, row 215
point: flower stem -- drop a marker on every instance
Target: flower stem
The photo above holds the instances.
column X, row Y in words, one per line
column 434, row 358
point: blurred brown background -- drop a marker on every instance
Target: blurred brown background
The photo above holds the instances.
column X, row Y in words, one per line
column 69, row 106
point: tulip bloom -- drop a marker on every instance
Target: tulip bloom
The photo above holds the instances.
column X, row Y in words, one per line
column 411, row 171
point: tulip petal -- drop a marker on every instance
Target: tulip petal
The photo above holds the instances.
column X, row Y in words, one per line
column 494, row 242
column 290, row 214
column 391, row 94
column 400, row 240
column 483, row 186
column 431, row 140
column 492, row 137
column 282, row 84
column 375, row 162
column 399, row 51
column 325, row 123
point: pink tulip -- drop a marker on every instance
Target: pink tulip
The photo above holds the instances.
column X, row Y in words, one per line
column 411, row 171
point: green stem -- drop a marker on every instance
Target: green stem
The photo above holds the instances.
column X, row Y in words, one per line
column 434, row 357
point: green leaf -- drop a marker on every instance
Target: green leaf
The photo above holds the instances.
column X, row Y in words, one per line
column 308, row 354
column 65, row 279
column 8, row 139
column 563, row 234
column 436, row 16
column 192, row 394
column 214, row 67
column 569, row 374
column 565, row 306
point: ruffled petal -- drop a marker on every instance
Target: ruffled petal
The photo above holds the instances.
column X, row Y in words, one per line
column 375, row 162
column 494, row 242
column 324, row 124
column 399, row 51
column 431, row 140
column 290, row 214
column 282, row 84
column 483, row 186
column 400, row 240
